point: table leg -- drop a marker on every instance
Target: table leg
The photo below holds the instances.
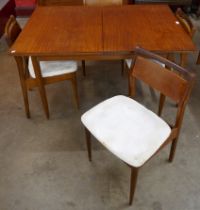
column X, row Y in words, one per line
column 75, row 89
column 21, row 70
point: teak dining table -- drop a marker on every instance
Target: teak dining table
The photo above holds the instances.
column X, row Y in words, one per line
column 101, row 32
column 98, row 33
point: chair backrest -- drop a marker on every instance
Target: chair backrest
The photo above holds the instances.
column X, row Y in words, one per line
column 103, row 2
column 172, row 81
column 185, row 22
column 59, row 2
column 12, row 30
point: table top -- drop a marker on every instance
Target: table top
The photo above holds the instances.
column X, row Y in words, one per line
column 82, row 30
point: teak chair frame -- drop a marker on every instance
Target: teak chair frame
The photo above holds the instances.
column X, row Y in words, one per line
column 180, row 95
column 12, row 30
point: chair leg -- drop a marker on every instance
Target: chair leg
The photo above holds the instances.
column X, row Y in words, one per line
column 19, row 61
column 133, row 181
column 88, row 142
column 131, row 86
column 75, row 90
column 83, row 68
column 161, row 104
column 122, row 67
column 183, row 59
column 41, row 87
column 198, row 59
column 173, row 150
column 43, row 96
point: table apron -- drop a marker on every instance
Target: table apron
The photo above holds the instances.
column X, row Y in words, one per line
column 95, row 56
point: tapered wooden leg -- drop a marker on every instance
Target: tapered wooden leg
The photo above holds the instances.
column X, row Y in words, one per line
column 20, row 66
column 75, row 90
column 198, row 59
column 88, row 142
column 83, row 68
column 183, row 57
column 122, row 67
column 131, row 86
column 173, row 150
column 161, row 104
column 27, row 73
column 133, row 181
column 40, row 84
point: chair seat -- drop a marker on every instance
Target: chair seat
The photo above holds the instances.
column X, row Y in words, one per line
column 54, row 68
column 129, row 61
column 126, row 128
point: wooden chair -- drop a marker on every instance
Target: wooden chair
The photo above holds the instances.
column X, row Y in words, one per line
column 131, row 131
column 188, row 27
column 47, row 72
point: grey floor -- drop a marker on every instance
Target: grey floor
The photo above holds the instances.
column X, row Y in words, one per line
column 43, row 163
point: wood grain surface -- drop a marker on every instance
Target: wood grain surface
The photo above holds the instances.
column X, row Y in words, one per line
column 61, row 30
column 152, row 27
column 101, row 32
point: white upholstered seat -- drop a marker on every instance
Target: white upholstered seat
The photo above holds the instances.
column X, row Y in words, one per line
column 129, row 62
column 126, row 128
column 53, row 68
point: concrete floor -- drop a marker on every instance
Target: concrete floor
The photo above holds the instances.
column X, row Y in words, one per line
column 44, row 165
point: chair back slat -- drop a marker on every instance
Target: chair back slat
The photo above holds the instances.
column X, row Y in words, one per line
column 172, row 80
column 165, row 81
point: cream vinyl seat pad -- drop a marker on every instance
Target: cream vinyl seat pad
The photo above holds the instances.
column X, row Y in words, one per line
column 126, row 128
column 53, row 68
